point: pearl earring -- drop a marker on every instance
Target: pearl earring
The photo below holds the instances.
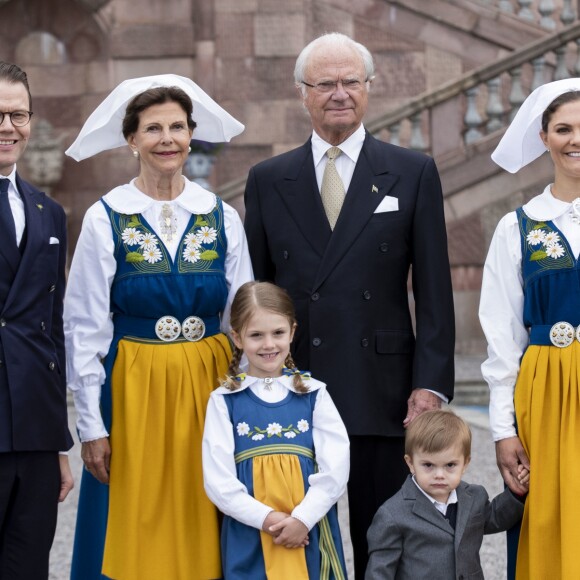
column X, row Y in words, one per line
column 189, row 150
column 136, row 154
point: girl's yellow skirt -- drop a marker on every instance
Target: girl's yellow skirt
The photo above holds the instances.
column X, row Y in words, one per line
column 547, row 403
column 161, row 524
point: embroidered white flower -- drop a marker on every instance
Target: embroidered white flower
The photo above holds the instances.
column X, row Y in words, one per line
column 192, row 241
column 243, row 429
column 536, row 237
column 131, row 236
column 303, row 425
column 148, row 241
column 152, row 255
column 555, row 251
column 206, row 235
column 258, row 437
column 274, row 429
column 290, row 434
column 191, row 254
column 551, row 238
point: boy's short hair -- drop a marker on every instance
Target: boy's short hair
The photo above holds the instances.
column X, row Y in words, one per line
column 435, row 431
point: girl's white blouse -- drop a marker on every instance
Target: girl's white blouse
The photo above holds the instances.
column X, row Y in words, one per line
column 87, row 319
column 332, row 454
column 502, row 303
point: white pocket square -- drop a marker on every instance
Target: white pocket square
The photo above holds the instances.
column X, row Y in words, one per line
column 54, row 241
column 388, row 203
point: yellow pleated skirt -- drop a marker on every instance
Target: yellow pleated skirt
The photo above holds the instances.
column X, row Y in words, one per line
column 161, row 524
column 547, row 404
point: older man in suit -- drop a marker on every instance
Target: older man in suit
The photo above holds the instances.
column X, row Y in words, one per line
column 33, row 413
column 339, row 223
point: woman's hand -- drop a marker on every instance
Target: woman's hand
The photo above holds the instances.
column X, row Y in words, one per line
column 510, row 454
column 290, row 533
column 66, row 477
column 96, row 456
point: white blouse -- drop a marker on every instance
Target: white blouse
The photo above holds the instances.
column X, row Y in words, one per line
column 332, row 454
column 88, row 323
column 502, row 303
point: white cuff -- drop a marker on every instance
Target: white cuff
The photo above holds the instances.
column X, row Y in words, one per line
column 89, row 420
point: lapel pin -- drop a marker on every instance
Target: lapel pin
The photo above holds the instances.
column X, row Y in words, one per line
column 39, row 206
column 375, row 189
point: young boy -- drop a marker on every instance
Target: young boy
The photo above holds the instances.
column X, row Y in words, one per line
column 433, row 526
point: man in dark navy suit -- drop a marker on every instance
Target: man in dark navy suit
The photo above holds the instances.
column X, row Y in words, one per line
column 339, row 223
column 34, row 476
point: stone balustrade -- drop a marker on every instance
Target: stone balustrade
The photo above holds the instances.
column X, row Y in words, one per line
column 545, row 12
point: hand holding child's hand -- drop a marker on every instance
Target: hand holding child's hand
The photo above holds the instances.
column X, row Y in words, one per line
column 290, row 533
column 524, row 476
column 272, row 519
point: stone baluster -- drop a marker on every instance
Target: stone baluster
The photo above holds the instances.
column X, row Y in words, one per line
column 561, row 71
column 577, row 65
column 395, row 131
column 417, row 142
column 506, row 6
column 546, row 9
column 517, row 95
column 525, row 13
column 567, row 15
column 538, row 79
column 472, row 118
column 494, row 107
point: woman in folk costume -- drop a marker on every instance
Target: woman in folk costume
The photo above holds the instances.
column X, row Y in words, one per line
column 157, row 263
column 275, row 452
column 530, row 313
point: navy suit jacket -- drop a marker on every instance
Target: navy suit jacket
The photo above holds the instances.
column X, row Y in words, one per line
column 350, row 286
column 33, row 410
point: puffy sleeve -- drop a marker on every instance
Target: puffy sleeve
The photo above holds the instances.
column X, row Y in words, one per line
column 237, row 265
column 501, row 316
column 332, row 450
column 87, row 321
column 220, row 478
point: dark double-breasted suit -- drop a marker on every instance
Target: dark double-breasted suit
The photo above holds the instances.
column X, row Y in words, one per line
column 351, row 294
column 410, row 539
column 33, row 411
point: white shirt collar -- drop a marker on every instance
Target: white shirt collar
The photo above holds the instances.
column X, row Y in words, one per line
column 545, row 207
column 351, row 147
column 284, row 380
column 442, row 507
column 11, row 178
column 128, row 199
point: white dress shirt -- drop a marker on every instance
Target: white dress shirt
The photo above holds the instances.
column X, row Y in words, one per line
column 87, row 319
column 331, row 447
column 16, row 205
column 439, row 506
column 502, row 304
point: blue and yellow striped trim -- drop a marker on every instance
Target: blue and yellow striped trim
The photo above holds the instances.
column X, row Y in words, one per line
column 274, row 449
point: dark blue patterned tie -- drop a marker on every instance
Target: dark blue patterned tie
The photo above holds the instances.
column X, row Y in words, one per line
column 6, row 217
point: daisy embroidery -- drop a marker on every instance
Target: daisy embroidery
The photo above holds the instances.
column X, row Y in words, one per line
column 243, row 429
column 536, row 237
column 303, row 425
column 551, row 238
column 192, row 241
column 132, row 236
column 191, row 254
column 555, row 251
column 258, row 437
column 149, row 241
column 152, row 255
column 206, row 235
column 274, row 429
column 290, row 434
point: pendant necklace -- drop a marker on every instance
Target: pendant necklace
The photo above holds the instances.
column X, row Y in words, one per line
column 167, row 222
column 268, row 383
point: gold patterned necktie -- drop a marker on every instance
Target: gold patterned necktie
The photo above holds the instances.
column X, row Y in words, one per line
column 332, row 190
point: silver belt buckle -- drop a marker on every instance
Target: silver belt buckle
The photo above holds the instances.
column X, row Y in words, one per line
column 562, row 334
column 167, row 328
column 193, row 328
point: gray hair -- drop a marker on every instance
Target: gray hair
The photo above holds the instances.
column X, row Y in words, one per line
column 333, row 39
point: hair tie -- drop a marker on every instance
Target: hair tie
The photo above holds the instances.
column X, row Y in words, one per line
column 293, row 372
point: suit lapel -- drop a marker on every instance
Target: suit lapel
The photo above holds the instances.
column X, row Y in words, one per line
column 301, row 197
column 370, row 182
column 423, row 508
column 464, row 506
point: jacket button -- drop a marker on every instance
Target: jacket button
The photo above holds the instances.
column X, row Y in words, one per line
column 315, row 296
column 364, row 342
column 285, row 254
column 384, row 247
column 51, row 366
column 1, row 363
column 316, row 342
column 366, row 295
column 2, row 322
column 42, row 326
column 52, row 288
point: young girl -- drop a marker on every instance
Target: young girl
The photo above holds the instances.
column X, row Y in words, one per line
column 275, row 451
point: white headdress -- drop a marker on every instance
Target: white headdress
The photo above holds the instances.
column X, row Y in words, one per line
column 103, row 129
column 521, row 143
